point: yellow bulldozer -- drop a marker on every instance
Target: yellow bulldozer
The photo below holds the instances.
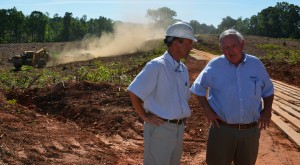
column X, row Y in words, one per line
column 36, row 59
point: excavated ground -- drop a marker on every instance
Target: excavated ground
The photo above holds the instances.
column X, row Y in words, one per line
column 80, row 122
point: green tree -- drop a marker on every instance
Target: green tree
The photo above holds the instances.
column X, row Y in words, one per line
column 202, row 28
column 253, row 27
column 226, row 23
column 196, row 26
column 283, row 20
column 263, row 26
column 77, row 30
column 83, row 26
column 56, row 25
column 269, row 22
column 105, row 25
column 96, row 27
column 3, row 26
column 290, row 17
column 15, row 24
column 37, row 25
column 244, row 26
column 67, row 26
column 162, row 17
column 91, row 27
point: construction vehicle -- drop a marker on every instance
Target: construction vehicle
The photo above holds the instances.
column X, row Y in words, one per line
column 37, row 59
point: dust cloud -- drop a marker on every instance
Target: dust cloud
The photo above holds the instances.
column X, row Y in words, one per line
column 126, row 38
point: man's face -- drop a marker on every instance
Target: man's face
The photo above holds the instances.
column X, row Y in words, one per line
column 185, row 47
column 232, row 48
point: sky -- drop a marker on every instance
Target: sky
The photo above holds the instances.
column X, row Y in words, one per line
column 210, row 12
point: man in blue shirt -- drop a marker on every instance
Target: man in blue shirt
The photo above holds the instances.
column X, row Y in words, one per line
column 231, row 88
column 160, row 94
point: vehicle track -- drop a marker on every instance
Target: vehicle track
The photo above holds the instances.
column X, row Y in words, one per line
column 286, row 105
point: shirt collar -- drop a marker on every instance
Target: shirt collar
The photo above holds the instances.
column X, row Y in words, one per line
column 176, row 66
column 244, row 57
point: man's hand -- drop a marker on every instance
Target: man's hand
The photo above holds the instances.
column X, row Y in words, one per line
column 153, row 119
column 147, row 117
column 211, row 116
column 266, row 113
column 265, row 118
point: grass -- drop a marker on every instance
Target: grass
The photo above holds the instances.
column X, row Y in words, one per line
column 279, row 53
column 269, row 47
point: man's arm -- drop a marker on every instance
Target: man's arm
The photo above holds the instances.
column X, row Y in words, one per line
column 209, row 113
column 266, row 113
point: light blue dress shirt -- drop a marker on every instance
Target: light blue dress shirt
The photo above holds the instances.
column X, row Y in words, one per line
column 234, row 93
column 164, row 87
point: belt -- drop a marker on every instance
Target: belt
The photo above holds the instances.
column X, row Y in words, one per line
column 238, row 126
column 175, row 121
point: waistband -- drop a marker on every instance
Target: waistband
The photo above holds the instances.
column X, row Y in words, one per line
column 238, row 126
column 175, row 121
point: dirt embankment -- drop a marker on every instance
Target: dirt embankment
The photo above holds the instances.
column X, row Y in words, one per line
column 80, row 122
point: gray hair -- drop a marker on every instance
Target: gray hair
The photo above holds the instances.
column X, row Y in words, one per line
column 229, row 32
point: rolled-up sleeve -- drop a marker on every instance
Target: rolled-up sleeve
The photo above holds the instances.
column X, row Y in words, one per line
column 145, row 82
column 200, row 84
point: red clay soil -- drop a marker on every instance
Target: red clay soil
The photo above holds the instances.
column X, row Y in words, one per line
column 81, row 122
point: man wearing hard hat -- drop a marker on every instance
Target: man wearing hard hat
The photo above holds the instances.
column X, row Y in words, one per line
column 160, row 94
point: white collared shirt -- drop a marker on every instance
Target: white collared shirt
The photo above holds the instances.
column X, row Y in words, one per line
column 163, row 85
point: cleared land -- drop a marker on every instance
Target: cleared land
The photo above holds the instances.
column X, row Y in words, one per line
column 80, row 122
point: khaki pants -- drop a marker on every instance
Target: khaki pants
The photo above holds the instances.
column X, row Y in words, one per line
column 163, row 144
column 226, row 145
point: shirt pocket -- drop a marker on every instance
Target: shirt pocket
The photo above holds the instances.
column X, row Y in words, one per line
column 254, row 86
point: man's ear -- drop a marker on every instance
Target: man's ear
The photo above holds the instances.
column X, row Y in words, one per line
column 243, row 44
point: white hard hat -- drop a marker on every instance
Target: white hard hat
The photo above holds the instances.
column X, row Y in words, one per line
column 181, row 30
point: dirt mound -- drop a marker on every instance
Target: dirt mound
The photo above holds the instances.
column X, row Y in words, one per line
column 80, row 122
column 61, row 124
column 69, row 120
column 282, row 71
column 82, row 102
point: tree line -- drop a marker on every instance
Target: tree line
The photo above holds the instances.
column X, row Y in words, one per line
column 39, row 27
column 280, row 21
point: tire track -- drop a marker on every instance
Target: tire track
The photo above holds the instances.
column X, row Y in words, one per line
column 286, row 105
